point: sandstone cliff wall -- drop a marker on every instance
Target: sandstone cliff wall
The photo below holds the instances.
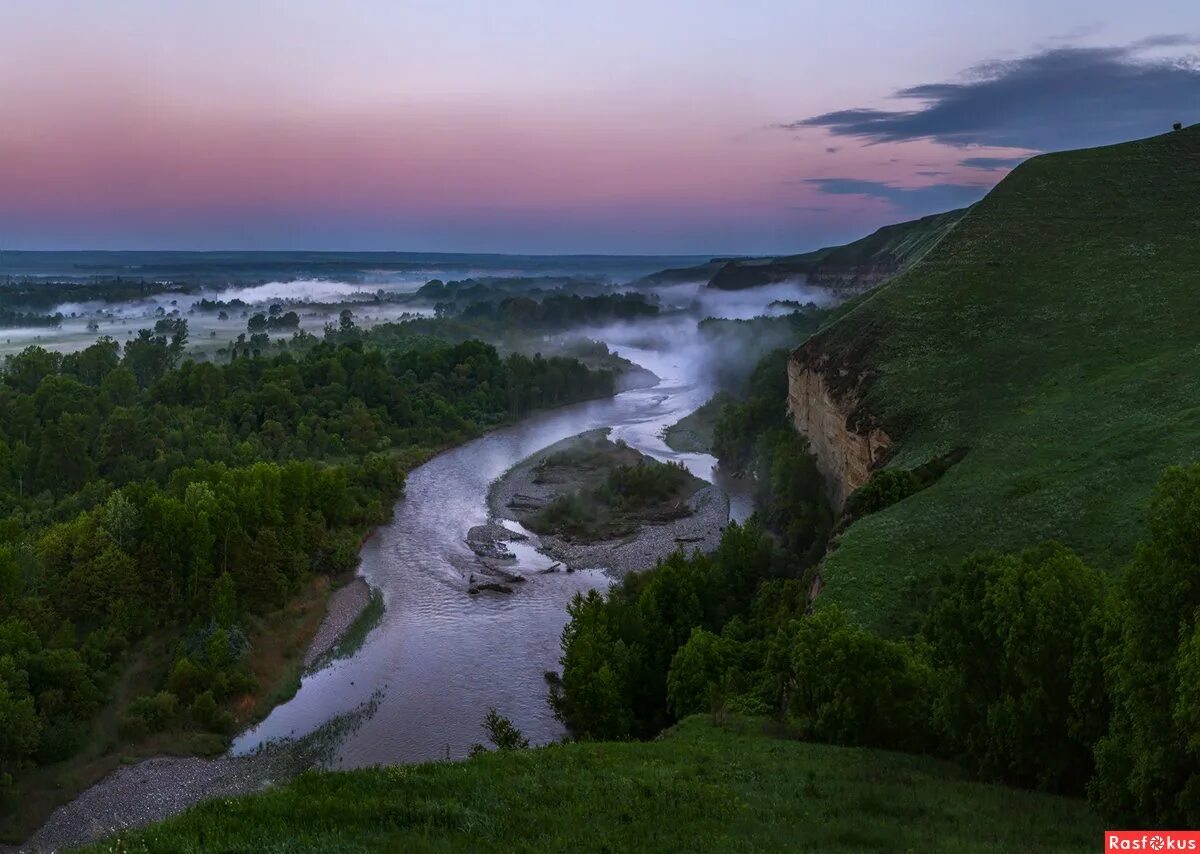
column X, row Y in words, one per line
column 846, row 453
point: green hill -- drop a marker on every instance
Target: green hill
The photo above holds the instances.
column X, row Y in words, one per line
column 854, row 267
column 698, row 788
column 1053, row 333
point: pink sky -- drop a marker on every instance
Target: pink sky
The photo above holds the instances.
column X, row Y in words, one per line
column 458, row 126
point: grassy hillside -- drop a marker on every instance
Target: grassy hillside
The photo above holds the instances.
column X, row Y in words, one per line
column 857, row 265
column 1053, row 333
column 698, row 788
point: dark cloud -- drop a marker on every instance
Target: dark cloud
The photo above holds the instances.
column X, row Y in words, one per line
column 991, row 164
column 1066, row 97
column 932, row 173
column 908, row 200
column 1166, row 40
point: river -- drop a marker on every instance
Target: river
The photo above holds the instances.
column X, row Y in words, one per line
column 439, row 657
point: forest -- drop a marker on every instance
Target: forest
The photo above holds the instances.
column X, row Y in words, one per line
column 146, row 497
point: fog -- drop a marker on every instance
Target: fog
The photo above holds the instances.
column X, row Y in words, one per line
column 724, row 351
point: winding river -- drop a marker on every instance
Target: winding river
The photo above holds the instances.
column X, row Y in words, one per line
column 439, row 658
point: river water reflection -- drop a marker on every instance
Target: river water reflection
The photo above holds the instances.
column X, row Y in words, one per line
column 439, row 657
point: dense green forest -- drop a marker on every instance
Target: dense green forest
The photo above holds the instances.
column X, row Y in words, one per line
column 149, row 499
column 1032, row 669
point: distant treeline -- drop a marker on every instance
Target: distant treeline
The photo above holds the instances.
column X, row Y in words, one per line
column 496, row 288
column 40, row 294
column 557, row 311
column 9, row 317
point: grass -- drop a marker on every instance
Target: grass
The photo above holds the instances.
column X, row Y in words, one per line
column 694, row 432
column 699, row 788
column 1052, row 333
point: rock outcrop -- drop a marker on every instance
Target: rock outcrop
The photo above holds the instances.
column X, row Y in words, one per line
column 823, row 402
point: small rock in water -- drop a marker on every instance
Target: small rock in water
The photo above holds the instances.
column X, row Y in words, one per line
column 492, row 586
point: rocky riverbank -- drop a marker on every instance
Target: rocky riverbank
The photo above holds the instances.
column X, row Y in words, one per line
column 151, row 791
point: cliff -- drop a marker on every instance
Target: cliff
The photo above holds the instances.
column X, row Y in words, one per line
column 847, row 449
column 1051, row 331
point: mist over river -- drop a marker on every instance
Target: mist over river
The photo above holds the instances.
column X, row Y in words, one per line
column 439, row 657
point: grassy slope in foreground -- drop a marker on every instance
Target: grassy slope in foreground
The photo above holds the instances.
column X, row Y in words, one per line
column 1053, row 332
column 698, row 788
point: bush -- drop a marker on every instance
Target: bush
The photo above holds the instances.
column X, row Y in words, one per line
column 151, row 713
column 203, row 709
column 839, row 683
column 502, row 733
column 885, row 488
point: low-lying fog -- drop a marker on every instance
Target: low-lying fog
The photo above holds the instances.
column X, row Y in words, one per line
column 392, row 297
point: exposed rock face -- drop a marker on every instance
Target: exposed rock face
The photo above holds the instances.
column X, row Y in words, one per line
column 853, row 280
column 847, row 449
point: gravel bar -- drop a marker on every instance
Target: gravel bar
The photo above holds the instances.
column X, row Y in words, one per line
column 345, row 605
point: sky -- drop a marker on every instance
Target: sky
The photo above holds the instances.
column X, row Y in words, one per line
column 554, row 126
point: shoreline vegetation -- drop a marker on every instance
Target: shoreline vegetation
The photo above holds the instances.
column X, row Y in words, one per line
column 314, row 453
column 694, row 433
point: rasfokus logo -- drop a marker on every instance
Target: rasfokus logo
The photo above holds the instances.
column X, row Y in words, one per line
column 1152, row 840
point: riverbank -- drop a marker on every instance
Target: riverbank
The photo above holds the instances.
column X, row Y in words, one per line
column 286, row 645
column 346, row 605
column 154, row 788
column 524, row 489
column 694, row 432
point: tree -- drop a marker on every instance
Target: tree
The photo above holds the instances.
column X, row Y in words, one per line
column 224, row 600
column 696, row 672
column 502, row 733
column 20, row 727
column 1148, row 762
column 594, row 700
column 26, row 369
column 1005, row 634
column 837, row 682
